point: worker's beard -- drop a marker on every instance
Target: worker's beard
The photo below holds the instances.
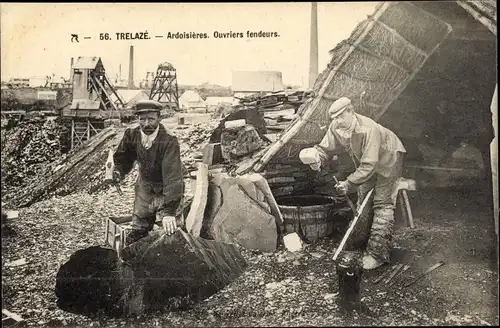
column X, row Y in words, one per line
column 149, row 129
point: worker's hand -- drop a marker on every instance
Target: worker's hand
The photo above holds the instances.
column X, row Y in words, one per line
column 342, row 187
column 315, row 166
column 169, row 224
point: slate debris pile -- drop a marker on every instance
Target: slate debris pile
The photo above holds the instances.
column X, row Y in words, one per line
column 81, row 169
column 276, row 100
column 192, row 139
column 33, row 154
column 28, row 149
column 239, row 142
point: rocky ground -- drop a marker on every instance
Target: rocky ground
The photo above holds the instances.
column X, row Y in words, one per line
column 279, row 289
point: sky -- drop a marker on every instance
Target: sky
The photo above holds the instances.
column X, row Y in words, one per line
column 36, row 38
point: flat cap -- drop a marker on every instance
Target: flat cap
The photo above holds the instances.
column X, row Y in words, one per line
column 339, row 106
column 146, row 106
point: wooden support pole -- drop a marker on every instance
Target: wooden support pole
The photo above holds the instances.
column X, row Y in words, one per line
column 72, row 133
column 88, row 130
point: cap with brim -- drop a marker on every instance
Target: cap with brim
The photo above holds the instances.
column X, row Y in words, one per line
column 147, row 106
column 339, row 106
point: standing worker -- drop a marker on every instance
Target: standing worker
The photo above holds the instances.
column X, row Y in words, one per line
column 378, row 156
column 159, row 188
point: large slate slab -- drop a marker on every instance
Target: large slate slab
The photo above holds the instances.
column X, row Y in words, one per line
column 242, row 220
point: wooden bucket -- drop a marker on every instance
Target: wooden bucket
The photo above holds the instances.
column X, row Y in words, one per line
column 312, row 216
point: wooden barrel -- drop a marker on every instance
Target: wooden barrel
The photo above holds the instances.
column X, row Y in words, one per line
column 312, row 216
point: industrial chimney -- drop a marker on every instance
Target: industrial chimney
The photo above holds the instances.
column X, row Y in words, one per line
column 131, row 69
column 313, row 50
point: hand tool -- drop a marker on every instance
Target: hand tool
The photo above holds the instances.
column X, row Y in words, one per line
column 349, row 201
column 110, row 168
column 384, row 274
column 394, row 273
column 351, row 226
column 432, row 268
column 406, row 267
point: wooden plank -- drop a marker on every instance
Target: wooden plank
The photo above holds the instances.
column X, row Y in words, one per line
column 195, row 217
column 12, row 316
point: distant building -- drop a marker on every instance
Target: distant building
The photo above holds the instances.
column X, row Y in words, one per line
column 190, row 100
column 130, row 96
column 29, row 82
column 19, row 82
column 256, row 81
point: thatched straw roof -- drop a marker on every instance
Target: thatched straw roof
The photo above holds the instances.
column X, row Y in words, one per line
column 380, row 58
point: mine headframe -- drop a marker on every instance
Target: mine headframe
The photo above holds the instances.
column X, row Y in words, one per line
column 92, row 88
column 94, row 100
column 164, row 89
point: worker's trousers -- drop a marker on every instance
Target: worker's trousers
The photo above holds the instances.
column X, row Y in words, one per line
column 144, row 215
column 381, row 206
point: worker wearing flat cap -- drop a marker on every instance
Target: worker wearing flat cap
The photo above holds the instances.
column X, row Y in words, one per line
column 378, row 157
column 159, row 188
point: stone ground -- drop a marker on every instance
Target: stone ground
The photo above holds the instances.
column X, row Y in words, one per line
column 280, row 289
column 277, row 289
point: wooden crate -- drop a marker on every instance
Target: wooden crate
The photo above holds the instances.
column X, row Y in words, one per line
column 117, row 228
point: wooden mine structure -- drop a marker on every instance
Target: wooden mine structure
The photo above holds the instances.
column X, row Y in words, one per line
column 164, row 89
column 92, row 100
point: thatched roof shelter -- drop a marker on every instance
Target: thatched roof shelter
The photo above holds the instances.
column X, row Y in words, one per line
column 381, row 57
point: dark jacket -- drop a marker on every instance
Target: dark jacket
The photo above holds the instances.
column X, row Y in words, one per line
column 160, row 167
column 373, row 148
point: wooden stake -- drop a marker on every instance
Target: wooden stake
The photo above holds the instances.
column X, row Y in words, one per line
column 351, row 227
column 408, row 208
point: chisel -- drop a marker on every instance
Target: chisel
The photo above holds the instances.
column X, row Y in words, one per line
column 349, row 201
column 432, row 268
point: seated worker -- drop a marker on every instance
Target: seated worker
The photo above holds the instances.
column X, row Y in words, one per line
column 378, row 156
column 159, row 188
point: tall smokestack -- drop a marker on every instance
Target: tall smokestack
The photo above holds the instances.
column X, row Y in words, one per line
column 71, row 70
column 313, row 50
column 131, row 68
